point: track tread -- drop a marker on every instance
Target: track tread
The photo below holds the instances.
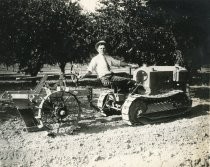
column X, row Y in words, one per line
column 161, row 100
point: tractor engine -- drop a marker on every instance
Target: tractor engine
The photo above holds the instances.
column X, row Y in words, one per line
column 161, row 79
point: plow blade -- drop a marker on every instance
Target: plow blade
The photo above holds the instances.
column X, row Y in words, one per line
column 25, row 108
column 29, row 120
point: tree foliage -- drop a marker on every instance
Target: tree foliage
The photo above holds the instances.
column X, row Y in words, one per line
column 42, row 31
column 189, row 22
column 154, row 32
column 135, row 32
column 38, row 32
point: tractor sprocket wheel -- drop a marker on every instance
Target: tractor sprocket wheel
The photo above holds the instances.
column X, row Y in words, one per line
column 136, row 109
column 181, row 100
column 60, row 107
column 108, row 104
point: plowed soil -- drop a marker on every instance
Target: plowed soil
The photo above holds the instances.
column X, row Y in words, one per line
column 109, row 142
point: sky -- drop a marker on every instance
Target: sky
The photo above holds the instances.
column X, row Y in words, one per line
column 88, row 5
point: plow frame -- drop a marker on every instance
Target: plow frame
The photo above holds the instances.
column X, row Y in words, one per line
column 27, row 102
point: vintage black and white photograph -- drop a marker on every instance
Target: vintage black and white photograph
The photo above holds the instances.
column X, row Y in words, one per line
column 104, row 83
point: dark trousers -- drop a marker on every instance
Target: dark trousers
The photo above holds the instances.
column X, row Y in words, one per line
column 118, row 83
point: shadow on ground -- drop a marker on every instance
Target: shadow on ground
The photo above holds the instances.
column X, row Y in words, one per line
column 8, row 113
column 201, row 93
column 100, row 124
column 201, row 109
column 196, row 111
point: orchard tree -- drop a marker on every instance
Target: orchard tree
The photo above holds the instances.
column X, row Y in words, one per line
column 155, row 31
column 189, row 22
column 66, row 37
column 37, row 32
column 135, row 32
column 21, row 25
column 8, row 32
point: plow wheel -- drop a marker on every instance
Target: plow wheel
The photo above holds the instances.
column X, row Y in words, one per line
column 61, row 108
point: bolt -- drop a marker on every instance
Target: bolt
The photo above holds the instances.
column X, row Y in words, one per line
column 62, row 112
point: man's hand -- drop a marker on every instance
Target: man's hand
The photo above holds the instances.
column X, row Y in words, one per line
column 81, row 76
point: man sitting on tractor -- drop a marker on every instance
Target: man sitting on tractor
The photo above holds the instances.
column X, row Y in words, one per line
column 101, row 64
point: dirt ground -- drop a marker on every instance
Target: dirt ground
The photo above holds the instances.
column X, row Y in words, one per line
column 108, row 141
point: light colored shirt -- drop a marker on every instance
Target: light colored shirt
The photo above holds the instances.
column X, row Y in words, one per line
column 101, row 64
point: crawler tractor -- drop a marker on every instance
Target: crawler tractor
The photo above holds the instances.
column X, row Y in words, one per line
column 160, row 92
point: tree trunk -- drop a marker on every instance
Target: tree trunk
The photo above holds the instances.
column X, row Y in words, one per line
column 62, row 66
column 34, row 74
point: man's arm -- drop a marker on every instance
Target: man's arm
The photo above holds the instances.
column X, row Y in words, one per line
column 117, row 63
column 123, row 64
column 120, row 63
column 91, row 67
